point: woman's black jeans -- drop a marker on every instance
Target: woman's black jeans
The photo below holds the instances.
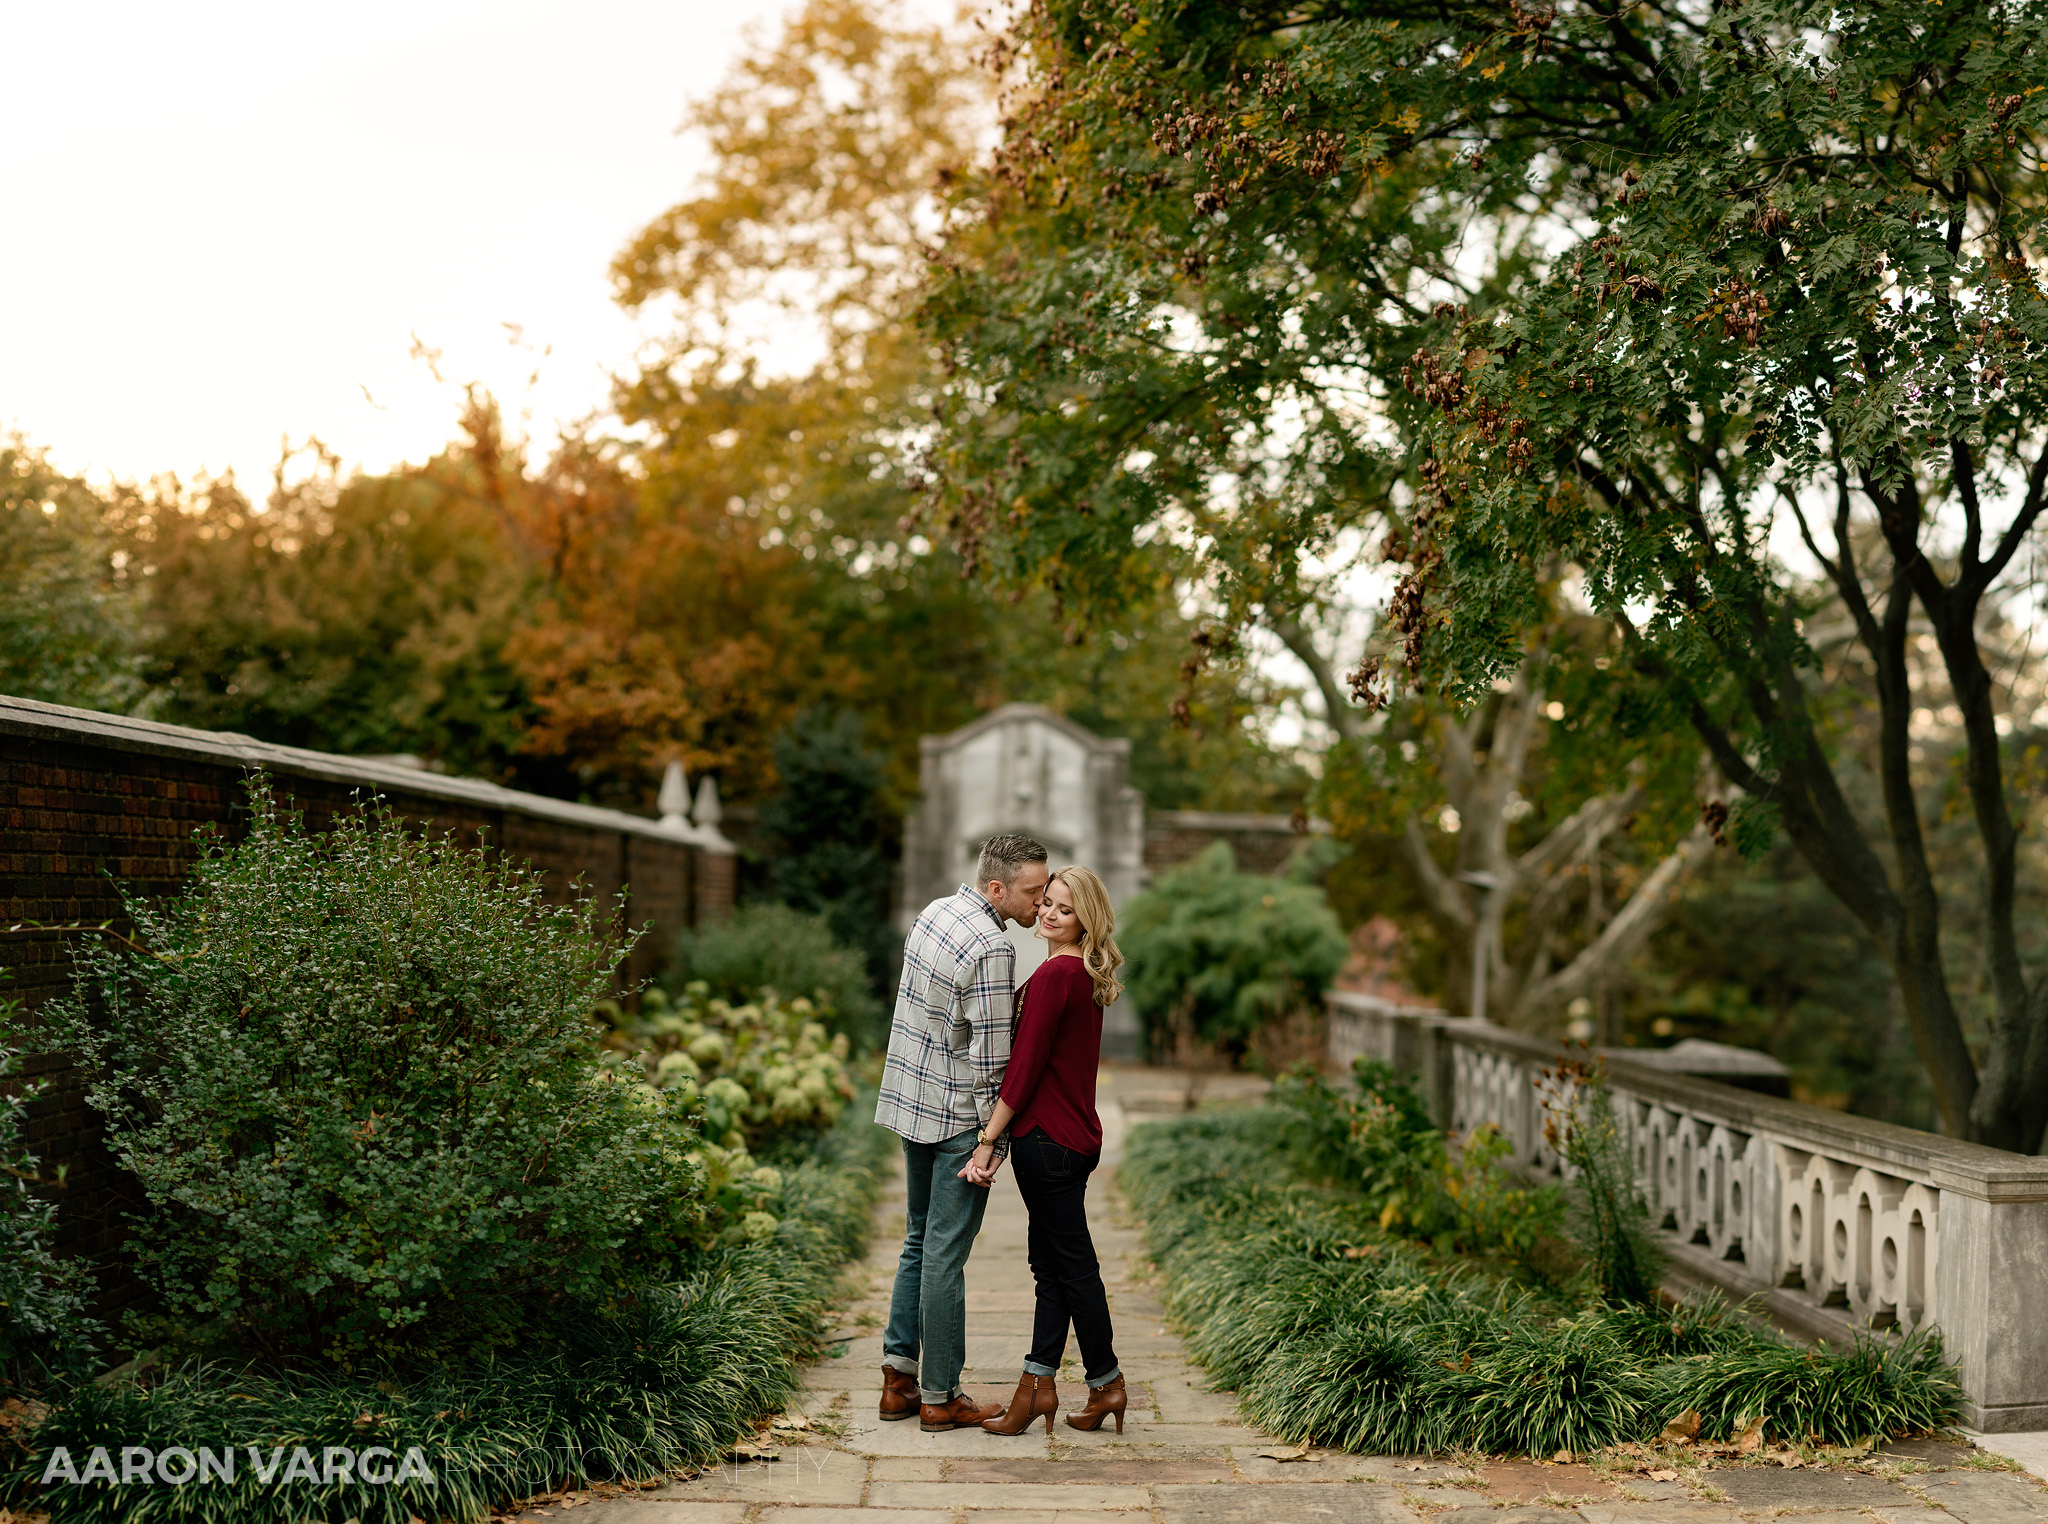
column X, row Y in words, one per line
column 1053, row 1180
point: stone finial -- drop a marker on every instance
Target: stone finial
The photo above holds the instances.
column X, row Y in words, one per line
column 674, row 800
column 708, row 812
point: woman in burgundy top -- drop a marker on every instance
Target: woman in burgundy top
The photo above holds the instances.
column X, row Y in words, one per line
column 1048, row 1107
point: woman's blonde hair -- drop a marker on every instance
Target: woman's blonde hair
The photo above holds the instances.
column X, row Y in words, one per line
column 1098, row 930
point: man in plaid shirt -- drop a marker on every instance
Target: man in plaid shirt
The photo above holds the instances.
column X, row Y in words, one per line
column 948, row 1046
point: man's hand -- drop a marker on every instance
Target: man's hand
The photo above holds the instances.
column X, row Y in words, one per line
column 981, row 1166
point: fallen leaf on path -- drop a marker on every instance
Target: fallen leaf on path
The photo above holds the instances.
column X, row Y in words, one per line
column 793, row 1421
column 1682, row 1428
column 756, row 1452
column 1665, row 1475
column 1286, row 1453
column 1563, row 1458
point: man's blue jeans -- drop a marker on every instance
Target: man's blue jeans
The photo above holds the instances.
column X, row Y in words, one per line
column 927, row 1333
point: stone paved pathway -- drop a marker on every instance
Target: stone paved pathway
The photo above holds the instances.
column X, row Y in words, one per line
column 1184, row 1456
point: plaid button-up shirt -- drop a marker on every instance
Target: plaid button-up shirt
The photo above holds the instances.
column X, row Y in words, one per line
column 950, row 1039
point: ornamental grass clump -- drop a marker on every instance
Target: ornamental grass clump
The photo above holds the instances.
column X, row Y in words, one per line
column 354, row 1075
column 1336, row 1325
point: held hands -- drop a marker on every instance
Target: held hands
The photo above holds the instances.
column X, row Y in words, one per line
column 981, row 1166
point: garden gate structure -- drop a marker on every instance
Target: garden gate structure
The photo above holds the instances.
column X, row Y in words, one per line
column 1837, row 1224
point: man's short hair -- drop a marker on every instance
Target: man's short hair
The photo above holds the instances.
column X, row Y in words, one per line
column 1002, row 857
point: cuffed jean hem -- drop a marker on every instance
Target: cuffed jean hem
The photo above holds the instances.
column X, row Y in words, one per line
column 1033, row 1368
column 1114, row 1372
column 939, row 1399
column 902, row 1365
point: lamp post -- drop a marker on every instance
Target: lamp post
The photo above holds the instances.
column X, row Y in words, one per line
column 1485, row 883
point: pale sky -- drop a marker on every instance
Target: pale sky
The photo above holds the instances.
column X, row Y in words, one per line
column 227, row 220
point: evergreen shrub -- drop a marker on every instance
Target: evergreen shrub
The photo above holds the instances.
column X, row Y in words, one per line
column 46, row 1327
column 355, row 1076
column 635, row 1391
column 1214, row 955
column 768, row 947
column 1379, row 1141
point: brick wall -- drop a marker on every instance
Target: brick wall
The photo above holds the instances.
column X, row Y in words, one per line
column 87, row 799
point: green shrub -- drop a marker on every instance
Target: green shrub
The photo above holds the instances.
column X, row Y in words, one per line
column 667, row 1380
column 45, row 1327
column 772, row 947
column 353, row 1073
column 762, row 1080
column 1335, row 1330
column 1215, row 954
column 1382, row 1144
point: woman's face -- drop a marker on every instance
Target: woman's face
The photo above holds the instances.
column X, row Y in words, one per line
column 1057, row 922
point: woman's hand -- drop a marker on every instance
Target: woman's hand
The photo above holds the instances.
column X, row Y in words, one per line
column 981, row 1166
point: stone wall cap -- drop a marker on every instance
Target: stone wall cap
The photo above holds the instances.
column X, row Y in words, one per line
column 1227, row 820
column 1360, row 1002
column 1697, row 1056
column 57, row 722
column 1038, row 713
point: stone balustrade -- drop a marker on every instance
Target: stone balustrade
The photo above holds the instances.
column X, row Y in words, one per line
column 1836, row 1224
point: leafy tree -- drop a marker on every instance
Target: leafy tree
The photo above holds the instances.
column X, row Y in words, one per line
column 834, row 832
column 67, row 622
column 1619, row 291
column 362, row 615
column 828, row 147
column 1542, row 830
column 1215, row 954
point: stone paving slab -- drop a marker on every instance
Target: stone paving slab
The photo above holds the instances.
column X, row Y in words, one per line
column 1325, row 1466
column 1640, row 1489
column 1755, row 1487
column 810, row 1475
column 951, row 1494
column 1987, row 1497
column 1482, row 1514
column 641, row 1511
column 907, row 1439
column 1178, row 1435
column 1043, row 1516
column 1134, row 1471
column 1281, row 1503
column 1527, row 1481
column 1189, row 1401
column 856, row 1516
column 1659, row 1513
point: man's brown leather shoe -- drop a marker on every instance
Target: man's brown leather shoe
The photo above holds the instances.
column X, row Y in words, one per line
column 963, row 1412
column 899, row 1395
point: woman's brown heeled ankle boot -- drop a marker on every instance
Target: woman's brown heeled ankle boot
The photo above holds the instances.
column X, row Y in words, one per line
column 1103, row 1401
column 1035, row 1397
